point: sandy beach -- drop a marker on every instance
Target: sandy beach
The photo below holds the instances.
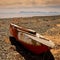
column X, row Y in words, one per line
column 49, row 27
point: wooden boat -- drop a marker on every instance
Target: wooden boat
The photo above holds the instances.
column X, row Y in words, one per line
column 30, row 39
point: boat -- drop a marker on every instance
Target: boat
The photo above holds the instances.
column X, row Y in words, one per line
column 30, row 39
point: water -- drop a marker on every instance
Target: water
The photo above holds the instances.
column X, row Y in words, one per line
column 28, row 12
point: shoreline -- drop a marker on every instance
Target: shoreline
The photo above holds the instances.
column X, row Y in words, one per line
column 28, row 12
column 30, row 17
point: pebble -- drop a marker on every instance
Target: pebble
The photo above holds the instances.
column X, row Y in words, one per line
column 8, row 51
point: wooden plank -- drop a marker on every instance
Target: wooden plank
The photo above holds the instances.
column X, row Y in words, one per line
column 24, row 29
column 48, row 43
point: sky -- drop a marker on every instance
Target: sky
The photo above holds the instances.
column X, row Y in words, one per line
column 10, row 8
column 29, row 3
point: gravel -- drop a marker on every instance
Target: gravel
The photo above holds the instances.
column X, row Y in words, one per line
column 10, row 49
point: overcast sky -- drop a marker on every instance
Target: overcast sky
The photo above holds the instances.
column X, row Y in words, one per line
column 29, row 3
column 13, row 8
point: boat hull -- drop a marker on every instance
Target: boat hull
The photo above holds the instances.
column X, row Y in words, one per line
column 37, row 49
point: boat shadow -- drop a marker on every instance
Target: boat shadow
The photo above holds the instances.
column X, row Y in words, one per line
column 29, row 55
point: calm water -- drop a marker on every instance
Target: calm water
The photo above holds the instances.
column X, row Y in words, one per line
column 28, row 12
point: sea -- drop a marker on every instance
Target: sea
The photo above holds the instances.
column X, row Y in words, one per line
column 28, row 11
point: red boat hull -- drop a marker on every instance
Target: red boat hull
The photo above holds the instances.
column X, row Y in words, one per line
column 35, row 49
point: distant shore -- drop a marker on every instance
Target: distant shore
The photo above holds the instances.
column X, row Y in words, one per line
column 28, row 12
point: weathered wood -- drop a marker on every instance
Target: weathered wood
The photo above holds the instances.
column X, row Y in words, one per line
column 23, row 29
column 43, row 41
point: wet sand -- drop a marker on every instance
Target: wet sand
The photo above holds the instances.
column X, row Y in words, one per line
column 46, row 26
